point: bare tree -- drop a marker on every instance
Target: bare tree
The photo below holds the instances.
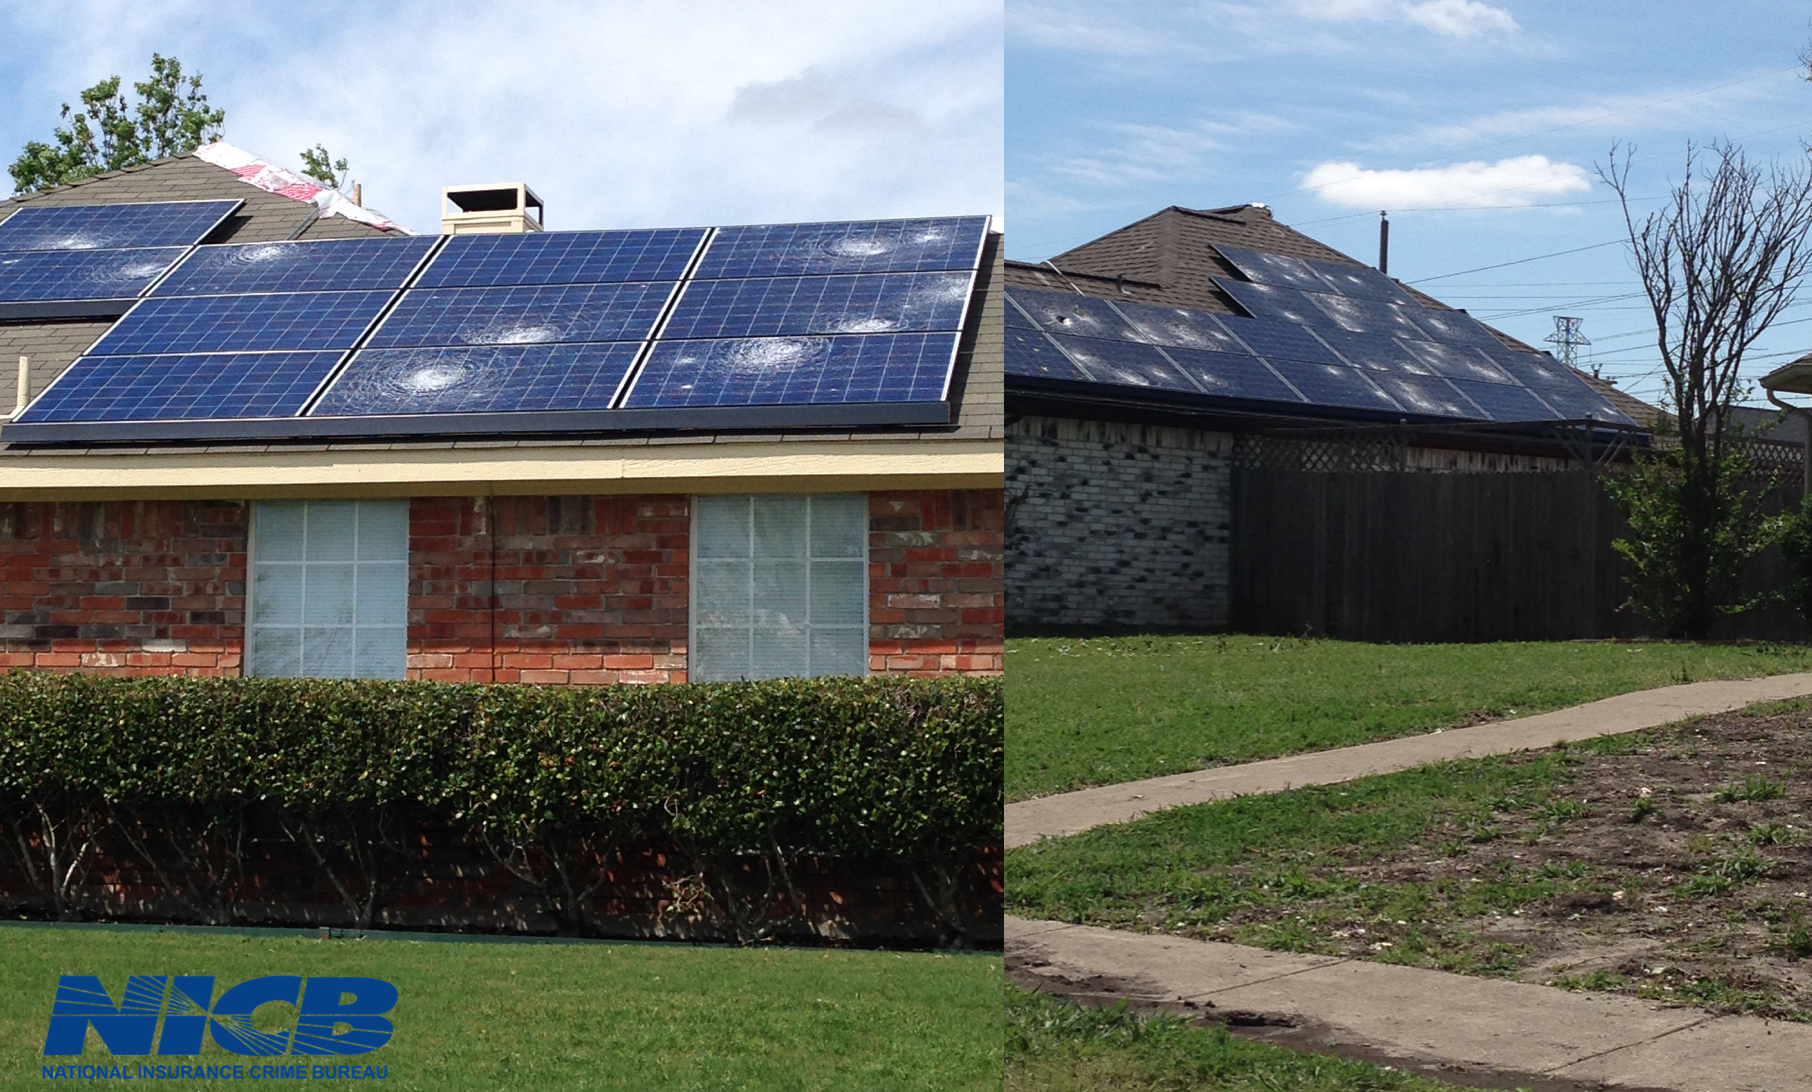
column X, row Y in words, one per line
column 1719, row 263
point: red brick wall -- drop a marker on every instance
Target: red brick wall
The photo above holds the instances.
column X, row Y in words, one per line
column 589, row 589
column 936, row 582
column 123, row 587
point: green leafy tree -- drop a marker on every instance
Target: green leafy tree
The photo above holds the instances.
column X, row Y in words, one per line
column 323, row 168
column 171, row 116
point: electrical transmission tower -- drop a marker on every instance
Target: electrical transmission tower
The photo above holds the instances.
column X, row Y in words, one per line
column 1567, row 341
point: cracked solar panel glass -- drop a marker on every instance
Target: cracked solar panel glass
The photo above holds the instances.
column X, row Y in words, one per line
column 1363, row 316
column 328, row 265
column 874, row 303
column 1334, row 385
column 487, row 379
column 96, row 227
column 562, row 257
column 201, row 324
column 1016, row 316
column 1234, row 375
column 31, row 275
column 1280, row 270
column 1376, row 352
column 1277, row 304
column 1126, row 364
column 1361, row 281
column 1453, row 326
column 522, row 316
column 859, row 246
column 1031, row 353
column 1082, row 316
column 1428, row 395
column 1173, row 326
column 1578, row 401
column 1284, row 340
column 1456, row 361
column 1538, row 370
column 783, row 371
column 1506, row 402
column 207, row 386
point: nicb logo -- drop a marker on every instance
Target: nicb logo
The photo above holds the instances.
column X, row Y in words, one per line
column 333, row 1015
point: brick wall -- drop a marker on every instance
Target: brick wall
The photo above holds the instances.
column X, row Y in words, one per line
column 589, row 589
column 123, row 587
column 937, row 582
column 1116, row 526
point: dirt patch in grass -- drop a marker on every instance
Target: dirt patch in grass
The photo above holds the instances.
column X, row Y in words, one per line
column 1676, row 865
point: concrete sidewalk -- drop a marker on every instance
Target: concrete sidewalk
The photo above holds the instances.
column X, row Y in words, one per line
column 1073, row 812
column 1423, row 1018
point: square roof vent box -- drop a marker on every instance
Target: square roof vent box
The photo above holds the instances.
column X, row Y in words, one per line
column 507, row 208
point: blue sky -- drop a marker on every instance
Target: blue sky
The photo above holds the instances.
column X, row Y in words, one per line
column 621, row 113
column 1330, row 110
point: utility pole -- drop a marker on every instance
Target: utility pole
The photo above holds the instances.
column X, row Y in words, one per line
column 1567, row 341
column 1383, row 242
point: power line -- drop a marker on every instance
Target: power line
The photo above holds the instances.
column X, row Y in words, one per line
column 1519, row 261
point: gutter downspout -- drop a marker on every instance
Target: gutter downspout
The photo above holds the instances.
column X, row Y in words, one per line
column 1805, row 416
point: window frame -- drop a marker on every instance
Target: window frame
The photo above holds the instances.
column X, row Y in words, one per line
column 692, row 585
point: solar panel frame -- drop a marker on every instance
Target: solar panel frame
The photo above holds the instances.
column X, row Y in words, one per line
column 847, row 246
column 1032, row 354
column 52, row 276
column 1277, row 304
column 315, row 265
column 1279, row 270
column 1077, row 316
column 1127, row 364
column 26, row 229
column 836, row 304
column 1286, row 341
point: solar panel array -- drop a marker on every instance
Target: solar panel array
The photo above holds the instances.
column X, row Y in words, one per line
column 1318, row 336
column 837, row 323
column 71, row 254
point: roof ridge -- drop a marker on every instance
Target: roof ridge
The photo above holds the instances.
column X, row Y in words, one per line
column 104, row 176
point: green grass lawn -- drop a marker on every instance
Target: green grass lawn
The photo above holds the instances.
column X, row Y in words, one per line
column 1098, row 711
column 578, row 1016
column 1057, row 1046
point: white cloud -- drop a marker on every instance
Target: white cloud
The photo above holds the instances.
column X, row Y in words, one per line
column 1455, row 18
column 1518, row 182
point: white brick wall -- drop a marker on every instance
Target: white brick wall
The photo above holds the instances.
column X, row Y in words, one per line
column 1116, row 526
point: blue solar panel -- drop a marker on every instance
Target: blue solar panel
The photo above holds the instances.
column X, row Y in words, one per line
column 1363, row 316
column 492, row 379
column 1016, row 315
column 796, row 371
column 1334, row 385
column 1456, row 361
column 562, row 257
column 201, row 324
column 1234, row 375
column 1285, row 340
column 1456, row 326
column 96, row 227
column 1579, row 401
column 1428, row 395
column 1506, row 402
column 1537, row 370
column 1375, row 351
column 1277, row 304
column 1030, row 353
column 1281, row 270
column 1185, row 329
column 786, row 306
column 862, row 246
column 1083, row 316
column 182, row 387
column 336, row 265
column 523, row 316
column 1361, row 281
column 81, row 274
column 1126, row 363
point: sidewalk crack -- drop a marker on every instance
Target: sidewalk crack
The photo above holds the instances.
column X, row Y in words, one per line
column 1699, row 1023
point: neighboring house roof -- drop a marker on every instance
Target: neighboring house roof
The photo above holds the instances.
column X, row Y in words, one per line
column 1169, row 259
column 964, row 454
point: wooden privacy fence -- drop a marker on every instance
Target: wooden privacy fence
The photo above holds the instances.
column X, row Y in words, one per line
column 1408, row 556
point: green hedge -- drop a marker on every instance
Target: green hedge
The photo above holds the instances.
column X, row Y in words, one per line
column 892, row 767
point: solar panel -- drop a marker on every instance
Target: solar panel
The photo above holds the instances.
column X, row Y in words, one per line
column 1016, row 315
column 562, row 257
column 1334, row 385
column 1280, row 270
column 1173, row 326
column 1377, row 352
column 523, row 316
column 97, row 227
column 862, row 246
column 785, row 306
column 1285, row 340
column 1277, row 304
column 1082, row 316
column 1537, row 370
column 796, row 371
column 1455, row 361
column 1506, row 402
column 489, row 379
column 1361, row 281
column 1456, row 326
column 1578, row 401
column 1234, row 375
column 1428, row 395
column 1030, row 353
column 199, row 324
column 81, row 275
column 1125, row 363
column 182, row 387
column 341, row 265
column 1363, row 316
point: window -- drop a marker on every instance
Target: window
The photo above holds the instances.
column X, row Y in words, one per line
column 330, row 589
column 779, row 586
